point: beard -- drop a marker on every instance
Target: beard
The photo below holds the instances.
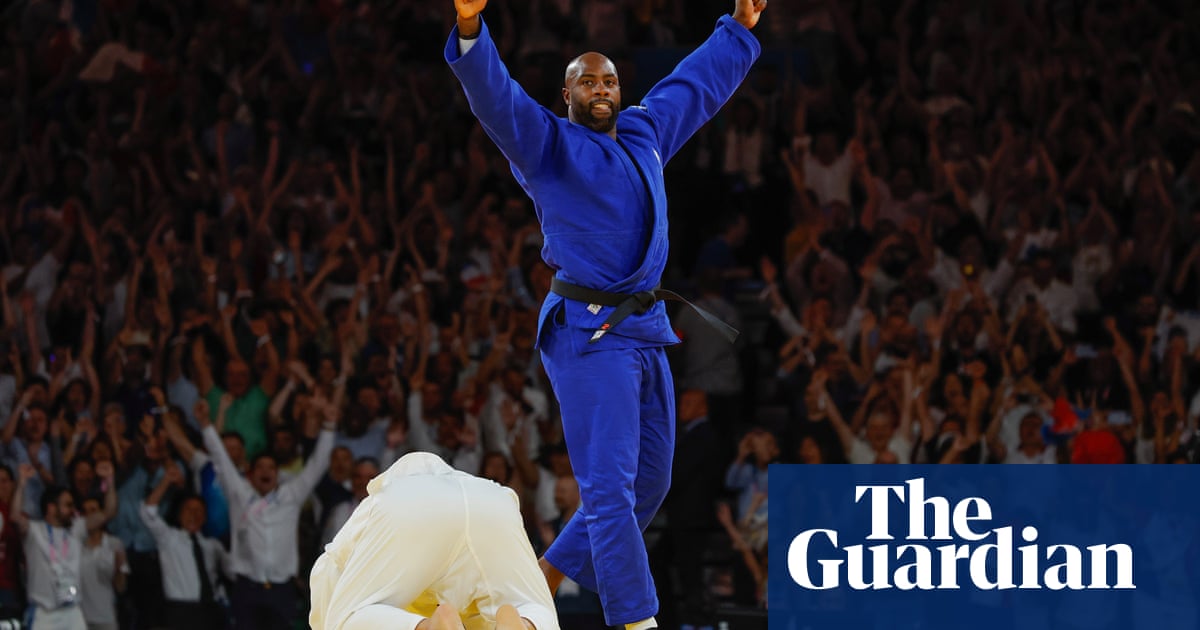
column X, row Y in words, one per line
column 602, row 124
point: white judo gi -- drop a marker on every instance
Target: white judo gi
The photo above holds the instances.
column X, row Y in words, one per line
column 428, row 534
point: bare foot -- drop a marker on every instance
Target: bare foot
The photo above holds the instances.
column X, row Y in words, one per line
column 554, row 577
column 507, row 618
column 445, row 618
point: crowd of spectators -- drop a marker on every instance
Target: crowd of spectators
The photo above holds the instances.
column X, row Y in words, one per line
column 254, row 251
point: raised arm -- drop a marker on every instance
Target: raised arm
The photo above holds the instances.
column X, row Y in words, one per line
column 705, row 80
column 279, row 403
column 521, row 127
column 230, row 479
column 107, row 475
column 172, row 476
column 178, row 437
column 202, row 371
column 16, row 515
column 149, row 510
column 318, row 463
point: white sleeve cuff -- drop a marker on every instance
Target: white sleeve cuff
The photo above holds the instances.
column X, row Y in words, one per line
column 465, row 45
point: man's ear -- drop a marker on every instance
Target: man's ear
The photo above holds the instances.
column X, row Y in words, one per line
column 567, row 96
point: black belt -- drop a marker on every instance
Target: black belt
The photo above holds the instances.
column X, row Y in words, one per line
column 629, row 303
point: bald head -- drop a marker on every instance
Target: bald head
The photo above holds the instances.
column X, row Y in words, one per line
column 594, row 60
column 593, row 92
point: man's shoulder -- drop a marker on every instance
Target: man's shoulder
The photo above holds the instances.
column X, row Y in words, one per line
column 635, row 120
column 36, row 528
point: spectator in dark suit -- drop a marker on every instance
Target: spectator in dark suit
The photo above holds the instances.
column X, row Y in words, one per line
column 689, row 506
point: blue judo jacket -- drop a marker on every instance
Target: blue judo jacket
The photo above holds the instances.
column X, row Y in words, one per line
column 601, row 228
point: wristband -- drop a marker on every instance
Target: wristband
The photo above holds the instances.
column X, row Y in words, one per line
column 263, row 340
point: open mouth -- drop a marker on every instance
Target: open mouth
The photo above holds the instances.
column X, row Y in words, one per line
column 602, row 108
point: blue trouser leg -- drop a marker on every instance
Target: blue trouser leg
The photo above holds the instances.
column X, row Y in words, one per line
column 619, row 423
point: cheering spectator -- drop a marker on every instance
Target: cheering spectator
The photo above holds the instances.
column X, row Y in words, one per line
column 54, row 549
column 103, row 571
column 191, row 563
column 265, row 515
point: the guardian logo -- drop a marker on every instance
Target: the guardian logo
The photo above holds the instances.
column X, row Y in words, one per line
column 981, row 557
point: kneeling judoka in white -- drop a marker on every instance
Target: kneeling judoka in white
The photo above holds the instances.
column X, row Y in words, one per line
column 429, row 535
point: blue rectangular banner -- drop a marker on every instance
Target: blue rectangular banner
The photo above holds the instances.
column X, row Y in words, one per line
column 984, row 547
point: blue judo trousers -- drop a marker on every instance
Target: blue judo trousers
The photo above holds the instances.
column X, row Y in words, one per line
column 604, row 230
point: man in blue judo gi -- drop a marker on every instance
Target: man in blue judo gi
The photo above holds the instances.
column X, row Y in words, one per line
column 596, row 180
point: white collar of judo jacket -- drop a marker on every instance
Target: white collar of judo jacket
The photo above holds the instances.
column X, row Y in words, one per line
column 419, row 463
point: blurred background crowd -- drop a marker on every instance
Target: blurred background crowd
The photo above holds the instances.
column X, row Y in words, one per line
column 950, row 232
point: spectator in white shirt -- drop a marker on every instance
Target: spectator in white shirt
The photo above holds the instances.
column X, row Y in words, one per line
column 461, row 541
column 103, row 572
column 827, row 173
column 54, row 550
column 264, row 516
column 190, row 561
column 513, row 407
column 885, row 439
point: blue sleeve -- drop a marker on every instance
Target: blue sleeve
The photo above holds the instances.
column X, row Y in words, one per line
column 701, row 84
column 523, row 129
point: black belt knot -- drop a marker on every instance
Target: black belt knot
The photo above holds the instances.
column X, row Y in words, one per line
column 632, row 303
column 645, row 300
